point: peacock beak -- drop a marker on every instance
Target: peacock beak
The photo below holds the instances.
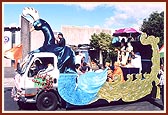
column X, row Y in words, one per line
column 32, row 29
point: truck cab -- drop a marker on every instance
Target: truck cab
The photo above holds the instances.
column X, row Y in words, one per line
column 29, row 89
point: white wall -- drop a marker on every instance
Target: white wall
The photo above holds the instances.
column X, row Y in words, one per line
column 6, row 46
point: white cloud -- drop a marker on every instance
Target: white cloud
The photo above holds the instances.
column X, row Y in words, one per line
column 127, row 14
column 132, row 14
column 139, row 10
column 89, row 6
column 115, row 20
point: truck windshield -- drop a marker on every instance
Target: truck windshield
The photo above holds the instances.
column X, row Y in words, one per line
column 25, row 63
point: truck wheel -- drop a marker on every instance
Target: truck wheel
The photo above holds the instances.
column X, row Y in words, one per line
column 47, row 101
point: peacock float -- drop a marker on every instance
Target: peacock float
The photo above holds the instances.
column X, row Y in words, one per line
column 92, row 86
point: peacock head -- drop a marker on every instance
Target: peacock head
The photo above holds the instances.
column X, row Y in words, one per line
column 37, row 24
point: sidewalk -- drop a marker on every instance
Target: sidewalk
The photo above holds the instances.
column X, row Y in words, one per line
column 8, row 82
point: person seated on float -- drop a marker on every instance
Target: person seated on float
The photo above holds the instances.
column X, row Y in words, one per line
column 122, row 53
column 130, row 53
column 94, row 65
column 116, row 72
column 60, row 40
column 101, row 68
column 78, row 67
column 109, row 71
column 85, row 67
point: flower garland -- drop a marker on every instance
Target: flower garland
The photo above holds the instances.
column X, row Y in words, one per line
column 43, row 80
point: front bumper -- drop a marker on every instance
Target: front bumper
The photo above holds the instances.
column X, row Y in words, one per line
column 16, row 94
column 19, row 95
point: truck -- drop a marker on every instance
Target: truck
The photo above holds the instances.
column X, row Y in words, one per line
column 25, row 90
column 58, row 85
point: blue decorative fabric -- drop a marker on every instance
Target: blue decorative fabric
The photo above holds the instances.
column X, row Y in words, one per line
column 81, row 90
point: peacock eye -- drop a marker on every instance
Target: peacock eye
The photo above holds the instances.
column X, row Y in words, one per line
column 39, row 24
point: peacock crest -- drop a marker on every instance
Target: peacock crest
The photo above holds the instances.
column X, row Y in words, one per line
column 31, row 12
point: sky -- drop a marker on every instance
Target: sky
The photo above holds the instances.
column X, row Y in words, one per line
column 111, row 15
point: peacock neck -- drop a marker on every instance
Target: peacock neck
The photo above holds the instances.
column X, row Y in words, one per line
column 48, row 34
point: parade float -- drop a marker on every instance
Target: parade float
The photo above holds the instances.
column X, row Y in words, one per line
column 60, row 84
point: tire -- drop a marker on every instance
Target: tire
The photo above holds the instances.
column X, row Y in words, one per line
column 47, row 101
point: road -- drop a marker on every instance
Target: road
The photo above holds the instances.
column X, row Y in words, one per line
column 146, row 104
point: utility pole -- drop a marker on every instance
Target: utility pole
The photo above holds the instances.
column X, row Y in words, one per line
column 25, row 36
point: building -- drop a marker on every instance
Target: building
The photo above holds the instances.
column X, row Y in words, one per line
column 74, row 36
column 11, row 37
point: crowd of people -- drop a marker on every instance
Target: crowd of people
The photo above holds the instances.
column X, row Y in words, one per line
column 114, row 71
column 125, row 53
column 82, row 67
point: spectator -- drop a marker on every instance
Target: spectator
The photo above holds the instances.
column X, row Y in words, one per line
column 161, row 81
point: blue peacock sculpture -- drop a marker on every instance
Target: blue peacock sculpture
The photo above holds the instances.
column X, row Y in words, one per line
column 66, row 57
column 75, row 90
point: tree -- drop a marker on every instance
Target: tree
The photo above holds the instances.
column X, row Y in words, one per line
column 154, row 25
column 103, row 42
